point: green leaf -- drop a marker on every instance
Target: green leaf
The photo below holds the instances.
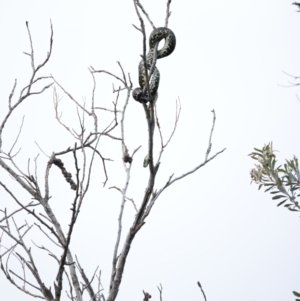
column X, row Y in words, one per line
column 291, row 163
column 273, row 163
column 274, row 192
column 255, row 154
column 296, row 294
column 281, row 203
column 258, row 150
column 269, row 188
column 278, row 197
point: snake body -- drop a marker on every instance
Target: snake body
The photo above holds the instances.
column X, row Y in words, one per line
column 170, row 42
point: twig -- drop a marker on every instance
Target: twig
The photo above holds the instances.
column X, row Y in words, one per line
column 108, row 110
column 24, row 280
column 88, row 283
column 41, row 149
column 164, row 145
column 47, row 250
column 177, row 116
column 72, row 98
column 31, row 266
column 56, row 102
column 11, row 94
column 160, row 288
column 145, row 13
column 32, row 81
column 16, row 140
column 13, row 247
column 16, row 211
column 127, row 198
column 30, row 212
column 111, row 74
column 210, row 136
column 168, row 13
column 93, row 103
column 41, row 229
column 199, row 284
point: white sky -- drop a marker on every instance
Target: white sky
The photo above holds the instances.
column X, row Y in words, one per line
column 213, row 226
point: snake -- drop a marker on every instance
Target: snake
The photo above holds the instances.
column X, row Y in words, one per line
column 156, row 36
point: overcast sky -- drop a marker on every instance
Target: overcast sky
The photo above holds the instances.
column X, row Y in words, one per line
column 212, row 226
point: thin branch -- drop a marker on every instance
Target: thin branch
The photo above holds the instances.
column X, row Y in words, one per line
column 145, row 13
column 160, row 289
column 51, row 254
column 108, row 110
column 93, row 103
column 111, row 74
column 16, row 140
column 41, row 229
column 56, row 102
column 11, row 94
column 168, row 13
column 31, row 212
column 88, row 283
column 177, row 116
column 13, row 247
column 137, row 28
column 10, row 279
column 202, row 291
column 210, row 137
column 70, row 287
column 127, row 198
column 16, row 211
column 31, row 265
column 72, row 98
column 32, row 81
column 24, row 280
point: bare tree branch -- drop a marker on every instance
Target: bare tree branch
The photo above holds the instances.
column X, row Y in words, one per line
column 145, row 13
column 31, row 82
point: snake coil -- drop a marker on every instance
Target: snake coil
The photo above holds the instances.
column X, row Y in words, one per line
column 170, row 42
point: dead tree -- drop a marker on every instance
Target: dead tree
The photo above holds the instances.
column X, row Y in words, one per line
column 83, row 152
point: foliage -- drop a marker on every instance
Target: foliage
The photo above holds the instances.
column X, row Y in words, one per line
column 297, row 295
column 283, row 182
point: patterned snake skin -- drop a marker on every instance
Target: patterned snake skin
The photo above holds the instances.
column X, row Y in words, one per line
column 170, row 42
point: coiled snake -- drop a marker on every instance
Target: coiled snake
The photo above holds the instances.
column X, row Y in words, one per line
column 170, row 42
